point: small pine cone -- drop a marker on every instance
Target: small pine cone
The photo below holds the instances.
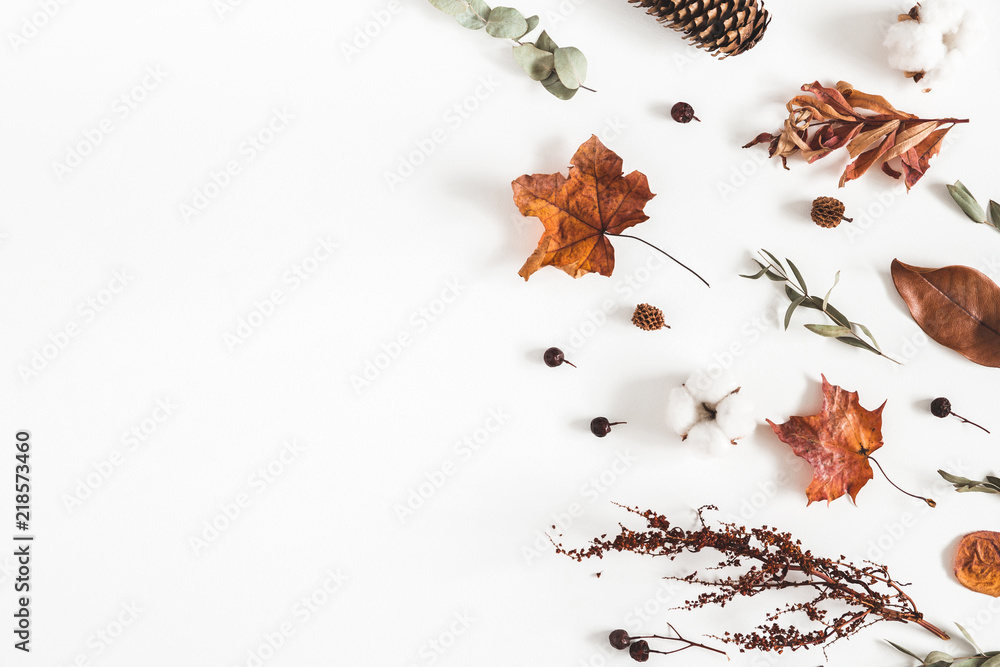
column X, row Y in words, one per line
column 722, row 27
column 828, row 212
column 648, row 318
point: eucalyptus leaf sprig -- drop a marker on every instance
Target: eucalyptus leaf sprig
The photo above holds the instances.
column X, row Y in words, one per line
column 963, row 485
column 842, row 329
column 941, row 659
column 561, row 70
column 972, row 208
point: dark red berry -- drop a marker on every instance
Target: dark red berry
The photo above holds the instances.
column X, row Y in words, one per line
column 941, row 407
column 554, row 357
column 600, row 426
column 682, row 112
column 619, row 639
column 639, row 651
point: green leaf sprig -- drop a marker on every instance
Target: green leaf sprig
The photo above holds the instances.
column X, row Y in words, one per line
column 962, row 485
column 941, row 659
column 561, row 70
column 842, row 329
column 968, row 203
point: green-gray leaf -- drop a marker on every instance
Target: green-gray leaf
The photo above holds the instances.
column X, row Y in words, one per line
column 798, row 276
column 829, row 330
column 967, row 202
column 774, row 259
column 995, row 481
column 545, row 43
column 532, row 22
column 955, row 479
column 476, row 16
column 826, row 299
column 451, row 7
column 854, row 342
column 537, row 63
column 902, row 650
column 554, row 86
column 935, row 657
column 992, row 662
column 791, row 309
column 774, row 276
column 506, row 23
column 869, row 334
column 571, row 66
column 969, row 662
column 968, row 638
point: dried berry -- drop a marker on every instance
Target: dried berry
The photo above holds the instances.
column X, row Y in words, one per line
column 828, row 212
column 941, row 407
column 683, row 112
column 619, row 639
column 639, row 651
column 554, row 357
column 600, row 426
column 648, row 318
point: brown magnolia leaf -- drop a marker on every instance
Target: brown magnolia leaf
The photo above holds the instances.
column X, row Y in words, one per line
column 957, row 306
column 977, row 562
column 580, row 211
column 872, row 130
column 836, row 442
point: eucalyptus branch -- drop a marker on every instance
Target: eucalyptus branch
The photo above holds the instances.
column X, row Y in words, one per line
column 980, row 659
column 963, row 485
column 842, row 329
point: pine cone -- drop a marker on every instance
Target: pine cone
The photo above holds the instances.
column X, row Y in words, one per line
column 722, row 27
column 648, row 318
column 828, row 212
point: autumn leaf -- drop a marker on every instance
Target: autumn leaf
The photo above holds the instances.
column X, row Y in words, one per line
column 977, row 562
column 957, row 306
column 580, row 212
column 836, row 442
column 871, row 129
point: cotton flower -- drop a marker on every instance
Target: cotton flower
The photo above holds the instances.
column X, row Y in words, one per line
column 709, row 413
column 932, row 42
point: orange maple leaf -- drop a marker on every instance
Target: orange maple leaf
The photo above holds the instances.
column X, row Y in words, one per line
column 581, row 211
column 837, row 443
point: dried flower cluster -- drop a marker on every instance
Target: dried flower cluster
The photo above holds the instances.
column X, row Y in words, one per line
column 768, row 560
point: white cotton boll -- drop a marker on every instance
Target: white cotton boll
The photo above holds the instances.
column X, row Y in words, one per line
column 914, row 47
column 944, row 15
column 682, row 411
column 970, row 36
column 734, row 415
column 953, row 63
column 708, row 437
column 708, row 389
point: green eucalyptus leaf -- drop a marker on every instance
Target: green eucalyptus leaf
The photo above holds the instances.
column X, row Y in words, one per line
column 970, row 662
column 571, row 66
column 535, row 62
column 798, row 276
column 826, row 299
column 790, row 293
column 476, row 16
column 869, row 334
column 545, row 43
column 506, row 23
column 981, row 488
column 935, row 657
column 451, row 7
column 829, row 330
column 902, row 650
column 774, row 259
column 554, row 86
column 854, row 342
column 967, row 202
column 838, row 316
column 955, row 479
column 774, row 276
column 994, row 211
column 993, row 661
column 791, row 309
column 532, row 22
column 754, row 276
column 995, row 481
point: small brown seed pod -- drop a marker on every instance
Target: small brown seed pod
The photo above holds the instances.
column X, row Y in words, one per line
column 648, row 318
column 828, row 212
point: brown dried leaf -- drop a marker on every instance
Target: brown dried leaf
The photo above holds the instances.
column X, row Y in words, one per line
column 957, row 306
column 977, row 562
column 836, row 442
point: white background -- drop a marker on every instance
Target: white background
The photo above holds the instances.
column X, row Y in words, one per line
column 469, row 569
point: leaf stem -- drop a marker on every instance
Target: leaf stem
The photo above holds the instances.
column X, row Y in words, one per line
column 627, row 236
column 930, row 502
column 968, row 421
